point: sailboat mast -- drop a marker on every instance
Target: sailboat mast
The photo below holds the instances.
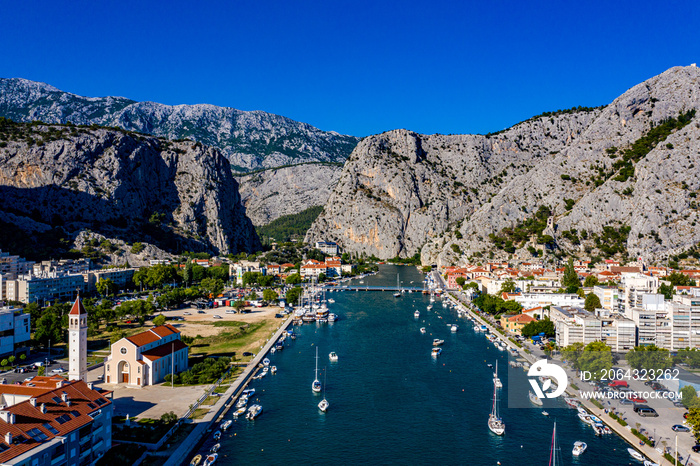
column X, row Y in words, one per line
column 552, row 452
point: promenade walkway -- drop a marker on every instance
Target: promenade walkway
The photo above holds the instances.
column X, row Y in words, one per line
column 220, row 408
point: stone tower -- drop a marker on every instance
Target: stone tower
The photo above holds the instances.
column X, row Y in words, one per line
column 77, row 342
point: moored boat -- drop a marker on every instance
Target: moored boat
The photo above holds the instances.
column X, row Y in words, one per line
column 217, row 435
column 438, row 342
column 316, row 384
column 215, row 448
column 436, row 351
column 226, row 424
column 416, row 314
column 253, row 412
column 533, row 399
column 454, row 328
column 579, row 448
column 422, row 330
column 635, row 454
column 239, row 412
column 196, row 460
column 333, row 357
column 495, row 423
column 211, row 459
column 266, row 362
column 273, row 369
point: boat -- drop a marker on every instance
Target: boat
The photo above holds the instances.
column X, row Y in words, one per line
column 554, row 449
column 273, row 369
column 333, row 357
column 217, row 435
column 585, row 418
column 253, row 412
column 242, row 401
column 496, row 381
column 248, row 392
column 635, row 454
column 239, row 412
column 533, row 399
column 579, row 448
column 211, row 459
column 571, row 402
column 196, row 460
column 316, row 384
column 438, row 342
column 324, row 404
column 496, row 424
column 226, row 424
column 273, row 350
column 454, row 327
column 545, row 413
column 265, row 370
column 436, row 351
column 266, row 362
column 215, row 448
column 650, row 463
column 398, row 287
column 416, row 314
column 332, row 317
column 422, row 330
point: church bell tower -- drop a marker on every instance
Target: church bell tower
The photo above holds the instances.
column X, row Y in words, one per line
column 77, row 342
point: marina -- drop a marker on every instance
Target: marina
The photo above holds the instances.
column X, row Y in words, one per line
column 376, row 392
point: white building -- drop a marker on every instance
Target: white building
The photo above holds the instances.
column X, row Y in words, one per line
column 77, row 342
column 635, row 285
column 47, row 287
column 609, row 297
column 14, row 330
column 617, row 331
column 574, row 325
column 530, row 300
column 327, row 247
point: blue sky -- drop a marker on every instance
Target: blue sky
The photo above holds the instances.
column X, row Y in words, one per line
column 357, row 67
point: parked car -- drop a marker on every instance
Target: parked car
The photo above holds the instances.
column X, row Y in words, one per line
column 678, row 404
column 680, row 428
column 58, row 370
column 696, row 448
column 625, row 401
column 217, row 316
column 248, row 353
column 201, row 312
column 186, row 313
column 635, row 399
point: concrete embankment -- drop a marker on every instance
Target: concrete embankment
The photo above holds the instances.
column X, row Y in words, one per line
column 184, row 452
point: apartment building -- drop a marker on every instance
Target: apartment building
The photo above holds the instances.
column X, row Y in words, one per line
column 14, row 331
column 635, row 286
column 120, row 277
column 575, row 325
column 609, row 297
column 327, row 247
column 47, row 287
column 617, row 331
column 529, row 300
column 10, row 268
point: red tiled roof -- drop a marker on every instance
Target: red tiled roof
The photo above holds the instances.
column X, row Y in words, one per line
column 521, row 319
column 29, row 417
column 154, row 334
column 77, row 308
column 163, row 350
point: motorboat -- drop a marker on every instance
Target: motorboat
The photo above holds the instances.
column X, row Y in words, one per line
column 430, row 306
column 217, row 435
column 436, row 351
column 316, row 384
column 242, row 402
column 422, row 330
column 248, row 392
column 215, row 448
column 239, row 412
column 454, row 328
column 635, row 454
column 273, row 369
column 496, row 381
column 438, row 342
column 211, row 459
column 226, row 424
column 253, row 412
column 332, row 317
column 266, row 362
column 273, row 350
column 333, row 357
column 545, row 413
column 265, row 370
column 496, row 424
column 196, row 460
column 571, row 402
column 585, row 418
column 416, row 314
column 579, row 448
column 533, row 399
column 650, row 463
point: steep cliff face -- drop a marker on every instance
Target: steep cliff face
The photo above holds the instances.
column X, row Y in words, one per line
column 250, row 140
column 178, row 196
column 585, row 166
column 270, row 194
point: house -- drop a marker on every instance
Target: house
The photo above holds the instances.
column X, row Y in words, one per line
column 327, row 247
column 514, row 324
column 54, row 422
column 147, row 357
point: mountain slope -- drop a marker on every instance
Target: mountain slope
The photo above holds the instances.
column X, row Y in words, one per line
column 250, row 140
column 573, row 164
column 178, row 196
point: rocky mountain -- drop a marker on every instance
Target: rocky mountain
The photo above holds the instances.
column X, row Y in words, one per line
column 270, row 194
column 616, row 181
column 250, row 140
column 121, row 185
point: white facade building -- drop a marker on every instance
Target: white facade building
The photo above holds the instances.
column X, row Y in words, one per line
column 530, row 300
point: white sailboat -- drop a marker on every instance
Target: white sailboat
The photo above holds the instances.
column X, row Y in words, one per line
column 398, row 287
column 496, row 424
column 496, row 381
column 324, row 404
column 554, row 458
column 316, row 385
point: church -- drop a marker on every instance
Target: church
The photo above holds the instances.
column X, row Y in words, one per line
column 147, row 357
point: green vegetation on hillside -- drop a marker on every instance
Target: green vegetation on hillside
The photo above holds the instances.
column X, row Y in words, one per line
column 510, row 239
column 642, row 146
column 288, row 226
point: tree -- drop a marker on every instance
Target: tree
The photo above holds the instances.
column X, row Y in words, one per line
column 688, row 356
column 238, row 305
column 667, row 290
column 570, row 280
column 596, row 358
column 689, row 396
column 41, row 371
column 649, row 357
column 137, row 248
column 187, row 272
column 48, row 327
column 4, row 363
column 293, row 294
column 12, row 360
column 508, row 286
column 572, row 352
column 293, row 279
column 269, row 295
column 592, row 302
column 159, row 320
column 211, row 286
column 321, row 277
column 535, row 328
column 22, row 357
column 460, row 281
column 678, row 279
column 590, row 281
column 105, row 287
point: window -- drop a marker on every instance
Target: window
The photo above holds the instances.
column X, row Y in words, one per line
column 123, row 350
column 75, row 413
column 62, row 419
column 37, row 435
column 50, row 428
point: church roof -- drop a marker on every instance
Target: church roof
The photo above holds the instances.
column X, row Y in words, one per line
column 77, row 308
